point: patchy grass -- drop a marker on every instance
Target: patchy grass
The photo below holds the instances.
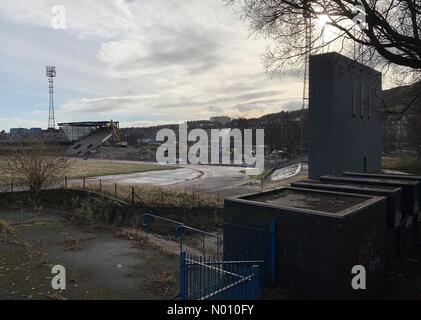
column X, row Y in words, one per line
column 405, row 164
column 95, row 168
column 4, row 230
column 159, row 197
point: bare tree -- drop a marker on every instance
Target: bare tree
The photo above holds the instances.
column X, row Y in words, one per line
column 392, row 27
column 380, row 33
column 34, row 163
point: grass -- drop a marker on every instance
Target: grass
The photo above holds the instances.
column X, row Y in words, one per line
column 4, row 230
column 95, row 168
column 3, row 225
column 159, row 197
column 405, row 164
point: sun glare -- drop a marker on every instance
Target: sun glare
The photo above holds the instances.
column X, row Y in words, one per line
column 322, row 25
column 322, row 21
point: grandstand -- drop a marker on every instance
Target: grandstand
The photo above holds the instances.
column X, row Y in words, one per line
column 86, row 137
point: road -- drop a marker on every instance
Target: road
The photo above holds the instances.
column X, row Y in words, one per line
column 216, row 178
column 192, row 177
column 226, row 180
column 158, row 178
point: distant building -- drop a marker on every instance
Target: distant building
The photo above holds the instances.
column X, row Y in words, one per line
column 35, row 131
column 25, row 131
column 15, row 131
column 221, row 120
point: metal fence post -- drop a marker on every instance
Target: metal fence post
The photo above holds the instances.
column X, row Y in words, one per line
column 180, row 233
column 272, row 248
column 84, row 183
column 218, row 245
column 132, row 196
column 145, row 225
column 183, row 293
column 115, row 190
column 65, row 182
column 255, row 290
column 100, row 185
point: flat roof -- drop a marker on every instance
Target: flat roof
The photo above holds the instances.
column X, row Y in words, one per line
column 361, row 201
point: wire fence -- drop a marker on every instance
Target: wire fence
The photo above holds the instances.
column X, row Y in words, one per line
column 203, row 242
column 148, row 195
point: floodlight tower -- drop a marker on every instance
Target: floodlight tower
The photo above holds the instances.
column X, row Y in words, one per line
column 305, row 98
column 51, row 73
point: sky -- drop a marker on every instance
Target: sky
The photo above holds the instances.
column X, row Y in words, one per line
column 140, row 62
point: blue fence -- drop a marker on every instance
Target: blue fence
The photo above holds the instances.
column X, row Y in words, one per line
column 209, row 278
column 252, row 244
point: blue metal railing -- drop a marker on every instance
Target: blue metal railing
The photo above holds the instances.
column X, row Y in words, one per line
column 206, row 278
column 248, row 243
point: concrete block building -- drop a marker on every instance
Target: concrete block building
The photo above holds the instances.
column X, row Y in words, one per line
column 345, row 131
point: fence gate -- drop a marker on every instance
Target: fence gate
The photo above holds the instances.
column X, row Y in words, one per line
column 206, row 278
column 247, row 243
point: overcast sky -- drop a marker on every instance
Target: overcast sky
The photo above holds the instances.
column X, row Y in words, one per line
column 141, row 62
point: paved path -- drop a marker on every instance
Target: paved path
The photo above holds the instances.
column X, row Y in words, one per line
column 216, row 178
column 226, row 180
column 157, row 178
column 200, row 178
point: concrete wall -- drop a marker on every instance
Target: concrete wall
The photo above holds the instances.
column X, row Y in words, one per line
column 410, row 209
column 316, row 252
column 393, row 213
column 345, row 133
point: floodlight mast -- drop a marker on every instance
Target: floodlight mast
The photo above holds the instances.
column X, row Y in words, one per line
column 305, row 98
column 51, row 73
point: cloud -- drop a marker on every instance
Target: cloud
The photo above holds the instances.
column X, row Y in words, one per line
column 142, row 61
column 214, row 109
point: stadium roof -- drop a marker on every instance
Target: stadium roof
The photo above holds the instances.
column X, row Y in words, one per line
column 88, row 124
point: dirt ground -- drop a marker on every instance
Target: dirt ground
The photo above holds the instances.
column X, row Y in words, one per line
column 99, row 264
column 109, row 264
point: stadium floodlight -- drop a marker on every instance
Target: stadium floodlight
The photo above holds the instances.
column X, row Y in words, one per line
column 50, row 72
